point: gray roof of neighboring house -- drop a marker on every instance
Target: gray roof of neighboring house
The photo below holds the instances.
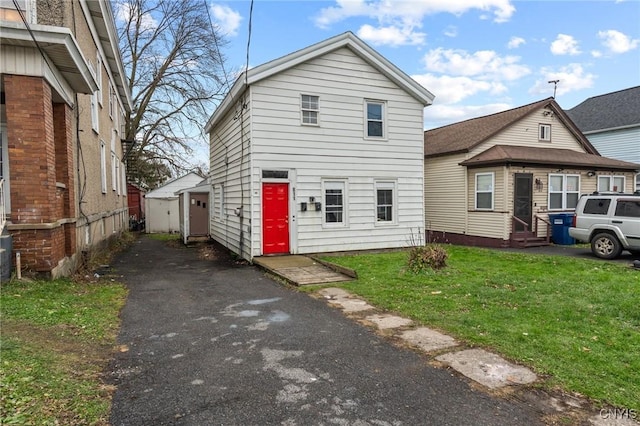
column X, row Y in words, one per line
column 608, row 111
column 466, row 135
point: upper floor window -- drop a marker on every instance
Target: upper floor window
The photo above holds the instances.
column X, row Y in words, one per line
column 9, row 12
column 375, row 111
column 611, row 183
column 564, row 191
column 544, row 132
column 99, row 77
column 310, row 109
column 484, row 191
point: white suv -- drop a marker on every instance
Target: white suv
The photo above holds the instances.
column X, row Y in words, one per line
column 609, row 222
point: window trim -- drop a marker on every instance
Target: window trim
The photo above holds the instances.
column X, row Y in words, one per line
column 612, row 179
column 342, row 184
column 303, row 110
column 542, row 137
column 103, row 166
column 492, row 191
column 99, row 76
column 383, row 104
column 564, row 191
column 386, row 184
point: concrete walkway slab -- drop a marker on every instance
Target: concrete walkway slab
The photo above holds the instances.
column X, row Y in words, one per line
column 344, row 300
column 428, row 340
column 386, row 321
column 300, row 270
column 487, row 369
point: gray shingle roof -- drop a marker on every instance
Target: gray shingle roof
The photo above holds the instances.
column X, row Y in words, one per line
column 608, row 111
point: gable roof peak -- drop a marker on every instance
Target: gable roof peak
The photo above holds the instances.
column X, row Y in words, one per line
column 346, row 39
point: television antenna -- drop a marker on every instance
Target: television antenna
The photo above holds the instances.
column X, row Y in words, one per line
column 555, row 86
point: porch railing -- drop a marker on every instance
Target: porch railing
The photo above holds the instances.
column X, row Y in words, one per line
column 3, row 215
column 526, row 234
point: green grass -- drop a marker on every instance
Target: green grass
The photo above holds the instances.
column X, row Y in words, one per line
column 576, row 322
column 57, row 337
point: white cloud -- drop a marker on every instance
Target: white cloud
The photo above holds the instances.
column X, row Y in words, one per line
column 515, row 42
column 451, row 31
column 399, row 22
column 125, row 12
column 438, row 115
column 226, row 18
column 392, row 36
column 450, row 90
column 596, row 53
column 617, row 42
column 485, row 63
column 572, row 77
column 565, row 45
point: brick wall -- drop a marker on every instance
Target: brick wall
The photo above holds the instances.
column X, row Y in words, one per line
column 40, row 153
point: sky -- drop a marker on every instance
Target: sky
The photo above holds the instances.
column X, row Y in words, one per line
column 477, row 57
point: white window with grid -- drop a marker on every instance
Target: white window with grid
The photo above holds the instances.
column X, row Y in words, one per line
column 310, row 107
column 564, row 191
column 544, row 132
column 611, row 183
column 385, row 202
column 484, row 189
column 334, row 202
column 375, row 112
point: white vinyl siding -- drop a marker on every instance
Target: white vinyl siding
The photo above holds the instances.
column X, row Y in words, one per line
column 485, row 186
column 564, row 191
column 310, row 107
column 611, row 183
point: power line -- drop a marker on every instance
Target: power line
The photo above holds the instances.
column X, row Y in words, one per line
column 215, row 40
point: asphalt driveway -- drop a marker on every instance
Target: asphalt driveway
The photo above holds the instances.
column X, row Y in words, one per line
column 209, row 342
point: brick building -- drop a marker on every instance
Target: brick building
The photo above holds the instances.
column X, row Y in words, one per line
column 63, row 100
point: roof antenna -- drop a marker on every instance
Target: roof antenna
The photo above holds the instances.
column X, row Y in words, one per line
column 555, row 86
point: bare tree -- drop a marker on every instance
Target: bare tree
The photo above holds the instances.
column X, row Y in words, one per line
column 171, row 55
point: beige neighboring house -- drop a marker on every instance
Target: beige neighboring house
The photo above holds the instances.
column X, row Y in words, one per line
column 64, row 95
column 494, row 180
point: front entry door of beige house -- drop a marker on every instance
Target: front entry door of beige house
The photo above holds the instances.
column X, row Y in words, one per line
column 198, row 214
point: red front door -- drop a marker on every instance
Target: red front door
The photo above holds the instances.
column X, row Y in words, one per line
column 275, row 218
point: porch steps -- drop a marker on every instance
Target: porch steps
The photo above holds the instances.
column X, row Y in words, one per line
column 521, row 242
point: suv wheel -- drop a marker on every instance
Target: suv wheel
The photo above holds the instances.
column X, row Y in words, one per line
column 606, row 246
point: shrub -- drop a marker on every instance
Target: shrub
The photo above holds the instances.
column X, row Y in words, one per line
column 427, row 257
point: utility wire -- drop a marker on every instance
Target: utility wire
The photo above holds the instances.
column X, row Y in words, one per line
column 215, row 40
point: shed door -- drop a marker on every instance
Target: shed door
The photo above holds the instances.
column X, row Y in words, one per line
column 523, row 200
column 198, row 214
column 275, row 218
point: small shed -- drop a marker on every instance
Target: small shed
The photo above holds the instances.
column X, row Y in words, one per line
column 194, row 207
column 162, row 204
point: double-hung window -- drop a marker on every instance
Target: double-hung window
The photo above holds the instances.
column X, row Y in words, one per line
column 310, row 109
column 385, row 202
column 375, row 119
column 485, row 183
column 611, row 183
column 103, row 167
column 544, row 132
column 334, row 202
column 564, row 191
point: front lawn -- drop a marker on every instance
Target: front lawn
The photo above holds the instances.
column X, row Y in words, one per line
column 576, row 321
column 57, row 338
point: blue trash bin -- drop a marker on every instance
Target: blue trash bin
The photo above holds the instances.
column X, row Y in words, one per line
column 560, row 224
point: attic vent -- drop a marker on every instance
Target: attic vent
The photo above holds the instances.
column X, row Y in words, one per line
column 275, row 174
